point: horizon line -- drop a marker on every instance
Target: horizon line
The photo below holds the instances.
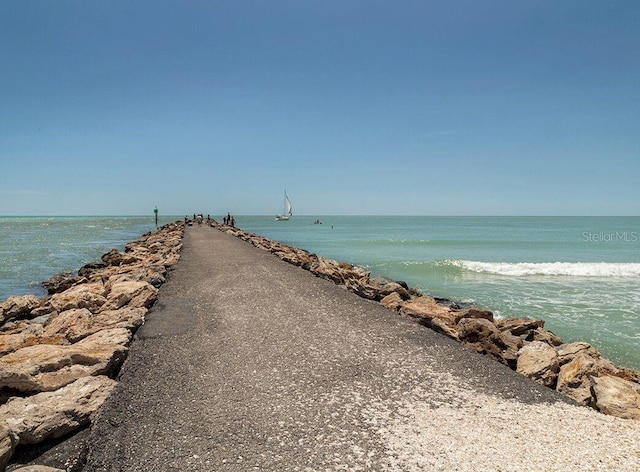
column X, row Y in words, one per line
column 353, row 215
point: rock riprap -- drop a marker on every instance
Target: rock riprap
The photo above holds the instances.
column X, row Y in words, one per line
column 576, row 370
column 59, row 354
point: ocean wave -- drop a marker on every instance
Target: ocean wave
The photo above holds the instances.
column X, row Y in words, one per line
column 572, row 269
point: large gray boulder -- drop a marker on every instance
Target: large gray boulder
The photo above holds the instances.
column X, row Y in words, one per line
column 539, row 361
column 130, row 293
column 617, row 397
column 575, row 376
column 18, row 307
column 55, row 414
column 76, row 324
column 482, row 336
column 90, row 296
column 46, row 367
column 8, row 443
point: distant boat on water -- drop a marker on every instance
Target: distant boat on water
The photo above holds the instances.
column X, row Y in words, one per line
column 288, row 213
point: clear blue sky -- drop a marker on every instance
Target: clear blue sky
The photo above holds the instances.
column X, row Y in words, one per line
column 355, row 107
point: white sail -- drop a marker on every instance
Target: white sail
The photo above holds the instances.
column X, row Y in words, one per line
column 288, row 209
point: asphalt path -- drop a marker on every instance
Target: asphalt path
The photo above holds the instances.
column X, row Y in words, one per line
column 249, row 363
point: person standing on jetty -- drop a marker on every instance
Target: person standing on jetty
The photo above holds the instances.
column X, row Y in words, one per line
column 229, row 220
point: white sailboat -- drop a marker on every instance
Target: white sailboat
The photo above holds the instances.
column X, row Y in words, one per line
column 287, row 209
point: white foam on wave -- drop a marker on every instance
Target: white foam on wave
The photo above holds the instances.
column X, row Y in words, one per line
column 573, row 269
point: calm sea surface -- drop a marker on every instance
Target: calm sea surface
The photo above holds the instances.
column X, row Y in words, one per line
column 33, row 249
column 579, row 274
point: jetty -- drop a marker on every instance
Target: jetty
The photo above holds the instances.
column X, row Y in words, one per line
column 246, row 362
column 249, row 363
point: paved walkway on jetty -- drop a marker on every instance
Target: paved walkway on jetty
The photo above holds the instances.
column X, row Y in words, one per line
column 249, row 363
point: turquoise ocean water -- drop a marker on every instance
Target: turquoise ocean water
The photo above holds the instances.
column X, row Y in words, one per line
column 33, row 249
column 579, row 274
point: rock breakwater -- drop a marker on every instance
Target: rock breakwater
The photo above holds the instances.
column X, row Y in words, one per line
column 577, row 370
column 59, row 355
